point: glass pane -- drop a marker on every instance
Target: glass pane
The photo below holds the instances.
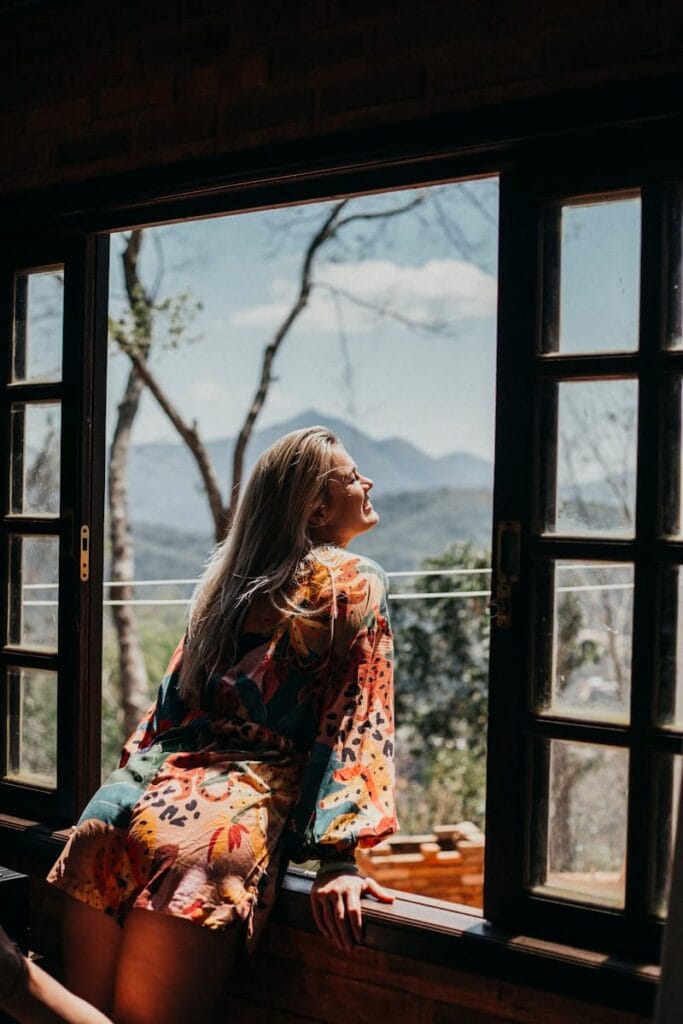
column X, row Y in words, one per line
column 675, row 283
column 672, row 498
column 671, row 648
column 598, row 277
column 33, row 592
column 585, row 639
column 32, row 727
column 38, row 320
column 581, row 854
column 668, row 794
column 34, row 486
column 590, row 480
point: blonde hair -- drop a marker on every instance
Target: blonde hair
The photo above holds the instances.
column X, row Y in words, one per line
column 264, row 552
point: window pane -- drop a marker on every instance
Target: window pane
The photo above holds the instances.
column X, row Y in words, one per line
column 32, row 727
column 582, row 853
column 590, row 469
column 668, row 794
column 33, row 592
column 675, row 289
column 584, row 640
column 672, row 499
column 34, row 486
column 671, row 648
column 598, row 278
column 38, row 319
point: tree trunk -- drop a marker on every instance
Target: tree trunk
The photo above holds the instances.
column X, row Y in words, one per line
column 132, row 670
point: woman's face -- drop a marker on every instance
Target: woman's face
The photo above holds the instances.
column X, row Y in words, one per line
column 346, row 510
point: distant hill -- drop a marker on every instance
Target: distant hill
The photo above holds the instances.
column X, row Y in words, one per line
column 165, row 485
column 413, row 526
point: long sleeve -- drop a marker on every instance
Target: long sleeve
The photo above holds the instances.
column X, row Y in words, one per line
column 347, row 791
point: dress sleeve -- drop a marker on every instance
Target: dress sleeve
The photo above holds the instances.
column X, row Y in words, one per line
column 167, row 711
column 347, row 791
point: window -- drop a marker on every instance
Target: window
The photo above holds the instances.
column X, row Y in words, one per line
column 586, row 675
column 393, row 347
column 593, row 647
column 46, row 393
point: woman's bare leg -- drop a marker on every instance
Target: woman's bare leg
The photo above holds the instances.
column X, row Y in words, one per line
column 32, row 996
column 170, row 970
column 91, row 947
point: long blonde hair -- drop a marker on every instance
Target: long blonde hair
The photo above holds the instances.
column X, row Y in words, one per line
column 263, row 553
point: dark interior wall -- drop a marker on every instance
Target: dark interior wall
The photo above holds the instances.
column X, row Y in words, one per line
column 91, row 88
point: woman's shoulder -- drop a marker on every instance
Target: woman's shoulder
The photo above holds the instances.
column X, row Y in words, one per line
column 348, row 569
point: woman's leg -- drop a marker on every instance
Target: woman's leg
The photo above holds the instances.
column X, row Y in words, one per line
column 91, row 948
column 170, row 969
column 31, row 996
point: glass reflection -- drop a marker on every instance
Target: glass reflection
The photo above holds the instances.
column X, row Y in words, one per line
column 38, row 324
column 590, row 478
column 584, row 856
column 33, row 592
column 671, row 648
column 35, row 468
column 668, row 796
column 599, row 278
column 31, row 740
column 585, row 657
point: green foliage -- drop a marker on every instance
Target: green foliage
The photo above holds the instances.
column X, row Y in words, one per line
column 160, row 629
column 442, row 694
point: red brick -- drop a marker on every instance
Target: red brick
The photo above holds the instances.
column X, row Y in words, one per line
column 177, row 45
column 62, row 114
column 29, row 89
column 23, row 157
column 256, row 24
column 376, row 89
column 434, row 27
column 267, row 108
column 137, row 93
column 306, row 58
column 211, row 81
column 94, row 149
column 179, row 125
column 12, row 122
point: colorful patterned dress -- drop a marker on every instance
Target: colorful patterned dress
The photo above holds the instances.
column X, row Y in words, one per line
column 288, row 756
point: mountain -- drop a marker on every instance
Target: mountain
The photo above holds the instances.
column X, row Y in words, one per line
column 412, row 527
column 164, row 484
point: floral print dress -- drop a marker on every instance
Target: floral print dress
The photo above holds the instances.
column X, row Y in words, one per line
column 288, row 756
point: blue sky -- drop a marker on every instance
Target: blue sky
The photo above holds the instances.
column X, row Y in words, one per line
column 433, row 265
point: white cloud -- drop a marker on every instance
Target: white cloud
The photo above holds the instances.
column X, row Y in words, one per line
column 447, row 291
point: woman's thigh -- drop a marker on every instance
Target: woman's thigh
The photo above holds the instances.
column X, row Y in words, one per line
column 91, row 947
column 170, row 971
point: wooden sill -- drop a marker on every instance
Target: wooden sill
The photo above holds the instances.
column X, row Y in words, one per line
column 425, row 930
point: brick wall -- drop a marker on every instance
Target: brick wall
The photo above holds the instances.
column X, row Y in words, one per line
column 87, row 88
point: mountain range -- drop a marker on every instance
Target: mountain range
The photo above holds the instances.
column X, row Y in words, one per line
column 165, row 487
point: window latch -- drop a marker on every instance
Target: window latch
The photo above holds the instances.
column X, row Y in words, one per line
column 84, row 550
column 509, row 533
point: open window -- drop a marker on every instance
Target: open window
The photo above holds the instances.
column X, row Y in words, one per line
column 49, row 727
column 586, row 672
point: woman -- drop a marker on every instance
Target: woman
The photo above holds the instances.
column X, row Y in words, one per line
column 271, row 738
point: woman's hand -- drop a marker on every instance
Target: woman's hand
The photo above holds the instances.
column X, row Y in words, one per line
column 335, row 900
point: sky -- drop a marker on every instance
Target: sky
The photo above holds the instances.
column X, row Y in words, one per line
column 399, row 336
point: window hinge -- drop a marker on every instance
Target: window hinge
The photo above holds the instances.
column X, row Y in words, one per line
column 85, row 553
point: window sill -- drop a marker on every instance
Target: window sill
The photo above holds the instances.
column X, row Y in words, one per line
column 425, row 930
column 449, row 935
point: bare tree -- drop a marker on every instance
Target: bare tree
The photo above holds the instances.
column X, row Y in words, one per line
column 134, row 337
